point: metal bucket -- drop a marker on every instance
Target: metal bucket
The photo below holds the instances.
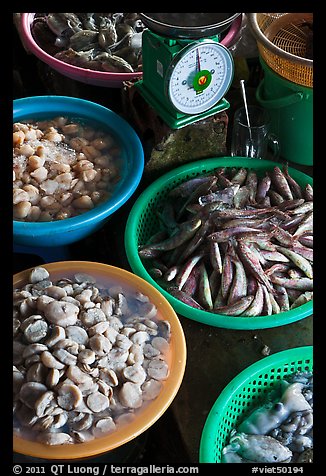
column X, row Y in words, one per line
column 188, row 25
column 291, row 109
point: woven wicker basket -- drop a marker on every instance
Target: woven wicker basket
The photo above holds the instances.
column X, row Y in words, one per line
column 284, row 41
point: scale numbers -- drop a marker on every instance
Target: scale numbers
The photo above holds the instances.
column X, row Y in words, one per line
column 199, row 76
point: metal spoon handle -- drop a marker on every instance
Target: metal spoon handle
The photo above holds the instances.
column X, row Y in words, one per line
column 245, row 103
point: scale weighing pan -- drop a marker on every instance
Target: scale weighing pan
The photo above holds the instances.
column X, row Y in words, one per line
column 188, row 25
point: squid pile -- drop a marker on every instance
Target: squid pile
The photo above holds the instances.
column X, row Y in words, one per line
column 109, row 42
column 280, row 430
column 235, row 242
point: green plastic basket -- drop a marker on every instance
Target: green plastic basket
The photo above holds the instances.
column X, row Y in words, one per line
column 246, row 391
column 143, row 222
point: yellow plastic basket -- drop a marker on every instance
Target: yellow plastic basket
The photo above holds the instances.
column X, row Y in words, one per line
column 283, row 41
column 111, row 442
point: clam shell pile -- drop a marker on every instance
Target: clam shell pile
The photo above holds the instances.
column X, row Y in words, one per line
column 62, row 167
column 86, row 359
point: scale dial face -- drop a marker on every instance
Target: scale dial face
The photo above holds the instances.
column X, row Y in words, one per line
column 199, row 76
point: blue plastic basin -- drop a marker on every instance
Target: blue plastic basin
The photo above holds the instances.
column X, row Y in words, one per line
column 63, row 232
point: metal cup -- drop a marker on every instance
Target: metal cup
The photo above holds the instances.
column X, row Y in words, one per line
column 256, row 139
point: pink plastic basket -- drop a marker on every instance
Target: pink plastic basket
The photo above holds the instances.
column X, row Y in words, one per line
column 89, row 76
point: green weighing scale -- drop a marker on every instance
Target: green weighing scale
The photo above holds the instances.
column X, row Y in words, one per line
column 186, row 71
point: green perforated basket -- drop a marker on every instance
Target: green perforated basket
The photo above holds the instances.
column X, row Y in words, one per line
column 143, row 222
column 245, row 392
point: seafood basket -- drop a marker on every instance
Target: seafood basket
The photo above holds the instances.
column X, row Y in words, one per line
column 153, row 408
column 92, row 76
column 131, row 159
column 246, row 391
column 77, row 73
column 143, row 222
